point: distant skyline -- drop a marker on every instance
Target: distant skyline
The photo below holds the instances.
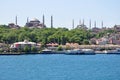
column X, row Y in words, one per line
column 63, row 11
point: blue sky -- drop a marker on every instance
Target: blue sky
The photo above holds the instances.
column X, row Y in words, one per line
column 63, row 11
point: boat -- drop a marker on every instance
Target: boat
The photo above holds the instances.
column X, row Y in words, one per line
column 109, row 51
column 116, row 51
column 74, row 52
column 47, row 51
column 88, row 51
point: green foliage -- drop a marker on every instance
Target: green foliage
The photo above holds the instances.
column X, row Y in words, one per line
column 86, row 42
column 59, row 48
column 1, row 50
column 48, row 35
column 27, row 49
column 33, row 49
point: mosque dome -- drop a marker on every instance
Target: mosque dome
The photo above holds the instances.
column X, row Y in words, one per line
column 35, row 20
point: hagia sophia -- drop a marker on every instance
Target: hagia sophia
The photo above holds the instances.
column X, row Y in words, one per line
column 33, row 23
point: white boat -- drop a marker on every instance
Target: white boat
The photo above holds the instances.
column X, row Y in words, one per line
column 116, row 51
column 47, row 51
column 88, row 51
column 74, row 52
column 109, row 51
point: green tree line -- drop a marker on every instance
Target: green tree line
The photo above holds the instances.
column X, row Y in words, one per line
column 47, row 35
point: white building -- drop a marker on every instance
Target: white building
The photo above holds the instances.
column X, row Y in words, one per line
column 18, row 45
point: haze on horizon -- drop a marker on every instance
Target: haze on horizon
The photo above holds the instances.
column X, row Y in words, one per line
column 63, row 11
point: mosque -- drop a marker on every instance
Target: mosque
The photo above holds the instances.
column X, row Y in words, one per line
column 35, row 23
column 14, row 25
column 82, row 26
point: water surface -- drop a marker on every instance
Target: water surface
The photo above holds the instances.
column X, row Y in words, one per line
column 60, row 67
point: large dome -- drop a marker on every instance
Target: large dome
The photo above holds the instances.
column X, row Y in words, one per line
column 35, row 20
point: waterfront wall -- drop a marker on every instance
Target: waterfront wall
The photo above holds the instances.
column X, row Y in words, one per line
column 99, row 46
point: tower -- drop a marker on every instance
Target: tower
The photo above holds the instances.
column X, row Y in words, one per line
column 43, row 20
column 90, row 23
column 51, row 21
column 95, row 24
column 73, row 23
column 102, row 24
column 83, row 22
column 27, row 19
column 16, row 20
column 79, row 22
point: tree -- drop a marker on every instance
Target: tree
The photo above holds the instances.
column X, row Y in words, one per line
column 33, row 49
column 86, row 42
column 27, row 48
column 48, row 35
column 59, row 48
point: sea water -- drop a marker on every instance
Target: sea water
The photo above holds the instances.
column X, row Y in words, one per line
column 60, row 67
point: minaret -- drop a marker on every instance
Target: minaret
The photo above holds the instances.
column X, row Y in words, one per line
column 83, row 22
column 102, row 24
column 90, row 23
column 79, row 22
column 16, row 20
column 95, row 24
column 73, row 23
column 51, row 21
column 27, row 19
column 43, row 20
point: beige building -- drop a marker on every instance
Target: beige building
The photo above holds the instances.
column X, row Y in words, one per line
column 102, row 41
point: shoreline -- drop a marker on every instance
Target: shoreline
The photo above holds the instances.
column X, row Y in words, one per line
column 54, row 52
column 36, row 53
column 18, row 53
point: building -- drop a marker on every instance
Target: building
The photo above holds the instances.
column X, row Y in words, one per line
column 93, row 41
column 102, row 41
column 72, row 45
column 82, row 26
column 12, row 25
column 96, row 30
column 19, row 45
column 35, row 23
column 114, row 39
column 117, row 28
column 52, row 44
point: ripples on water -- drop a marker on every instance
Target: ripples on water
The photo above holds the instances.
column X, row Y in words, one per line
column 60, row 67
